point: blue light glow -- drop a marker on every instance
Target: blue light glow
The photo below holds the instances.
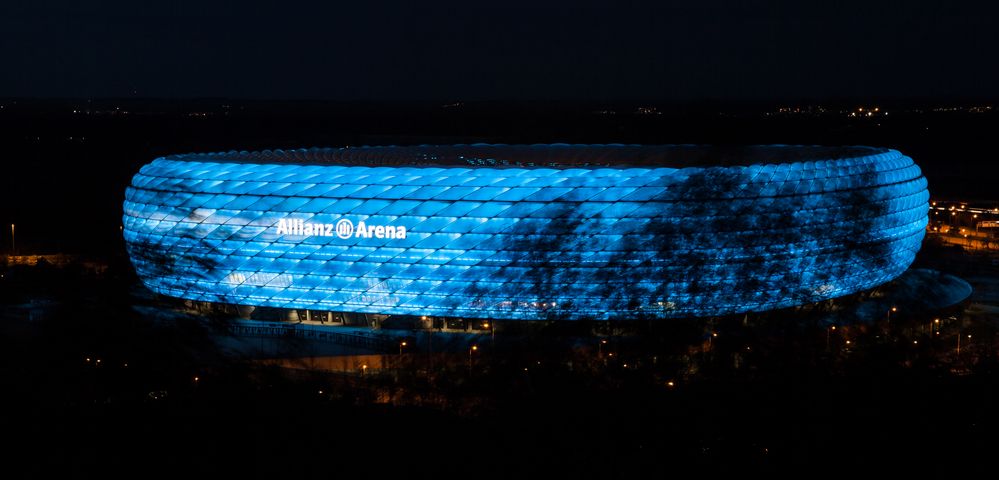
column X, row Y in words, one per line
column 520, row 242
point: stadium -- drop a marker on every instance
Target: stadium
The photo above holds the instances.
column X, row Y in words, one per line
column 524, row 232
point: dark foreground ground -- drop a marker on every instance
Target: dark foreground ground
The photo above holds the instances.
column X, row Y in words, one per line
column 93, row 388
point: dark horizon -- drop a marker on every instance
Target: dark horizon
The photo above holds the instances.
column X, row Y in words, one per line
column 513, row 102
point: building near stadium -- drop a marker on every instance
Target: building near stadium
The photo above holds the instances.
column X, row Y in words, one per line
column 525, row 232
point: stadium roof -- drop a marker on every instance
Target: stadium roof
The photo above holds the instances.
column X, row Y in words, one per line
column 541, row 156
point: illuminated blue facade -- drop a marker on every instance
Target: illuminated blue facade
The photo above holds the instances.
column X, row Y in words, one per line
column 525, row 232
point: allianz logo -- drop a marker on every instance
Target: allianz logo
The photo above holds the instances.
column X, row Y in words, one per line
column 343, row 229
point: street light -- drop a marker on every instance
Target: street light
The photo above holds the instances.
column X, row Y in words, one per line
column 13, row 243
column 959, row 342
column 492, row 332
column 470, row 351
column 401, row 345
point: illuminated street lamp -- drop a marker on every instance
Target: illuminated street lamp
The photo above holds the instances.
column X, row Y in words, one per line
column 890, row 311
column 959, row 342
column 401, row 346
column 13, row 243
column 492, row 331
column 470, row 351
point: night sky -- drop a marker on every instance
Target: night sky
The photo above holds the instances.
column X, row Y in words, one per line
column 408, row 50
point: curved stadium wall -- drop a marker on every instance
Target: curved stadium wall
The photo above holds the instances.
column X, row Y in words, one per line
column 526, row 232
